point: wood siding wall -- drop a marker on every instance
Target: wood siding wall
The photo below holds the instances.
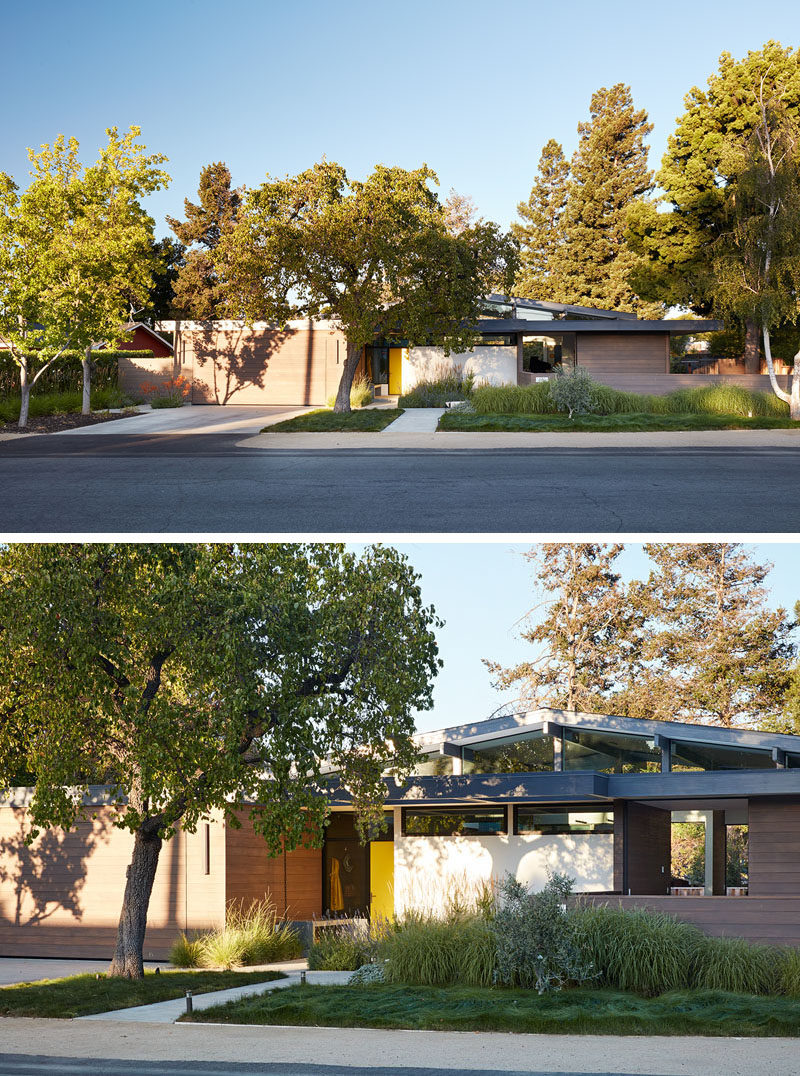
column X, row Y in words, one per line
column 607, row 355
column 62, row 896
column 774, row 848
column 768, row 920
column 252, row 875
column 135, row 374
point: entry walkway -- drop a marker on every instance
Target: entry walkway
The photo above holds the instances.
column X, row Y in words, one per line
column 416, row 420
column 167, row 1012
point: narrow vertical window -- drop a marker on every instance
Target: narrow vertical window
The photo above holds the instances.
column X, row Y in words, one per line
column 206, row 848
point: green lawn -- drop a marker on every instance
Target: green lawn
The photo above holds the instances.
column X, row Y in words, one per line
column 367, row 420
column 80, row 995
column 596, row 1012
column 632, row 423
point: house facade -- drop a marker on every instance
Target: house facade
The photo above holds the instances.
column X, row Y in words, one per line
column 591, row 796
column 521, row 341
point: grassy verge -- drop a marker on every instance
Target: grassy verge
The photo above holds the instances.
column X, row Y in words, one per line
column 324, row 421
column 620, row 423
column 595, row 1012
column 80, row 995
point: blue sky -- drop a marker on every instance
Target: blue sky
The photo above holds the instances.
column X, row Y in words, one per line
column 471, row 88
column 482, row 589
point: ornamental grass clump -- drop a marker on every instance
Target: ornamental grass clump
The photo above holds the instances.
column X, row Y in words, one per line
column 346, row 946
column 448, row 383
column 253, row 934
column 360, row 392
column 435, row 952
column 513, row 399
column 789, row 981
column 645, row 952
column 737, row 966
column 537, row 944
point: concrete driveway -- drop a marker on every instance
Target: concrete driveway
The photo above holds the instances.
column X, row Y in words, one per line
column 17, row 969
column 195, row 420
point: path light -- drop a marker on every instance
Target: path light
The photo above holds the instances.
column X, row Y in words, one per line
column 302, row 978
column 188, row 1002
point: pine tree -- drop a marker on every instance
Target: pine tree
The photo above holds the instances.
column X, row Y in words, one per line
column 199, row 291
column 582, row 636
column 609, row 174
column 714, row 652
column 541, row 236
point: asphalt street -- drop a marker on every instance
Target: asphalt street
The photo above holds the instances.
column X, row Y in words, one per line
column 222, row 484
column 68, row 1066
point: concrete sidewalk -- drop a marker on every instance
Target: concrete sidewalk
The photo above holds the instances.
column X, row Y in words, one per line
column 416, row 420
column 167, row 1012
column 344, row 1048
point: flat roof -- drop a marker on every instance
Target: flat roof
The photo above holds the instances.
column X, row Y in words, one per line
column 609, row 325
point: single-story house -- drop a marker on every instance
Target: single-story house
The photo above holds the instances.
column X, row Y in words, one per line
column 521, row 341
column 590, row 795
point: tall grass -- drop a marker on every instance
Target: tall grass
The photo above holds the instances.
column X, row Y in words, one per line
column 737, row 966
column 253, row 934
column 723, row 399
column 645, row 952
column 789, row 982
column 360, row 392
column 346, row 947
column 447, row 383
column 437, row 953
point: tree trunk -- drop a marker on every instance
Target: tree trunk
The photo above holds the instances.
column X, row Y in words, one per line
column 793, row 397
column 86, row 363
column 25, row 396
column 752, row 357
column 128, row 955
column 348, row 373
column 794, row 402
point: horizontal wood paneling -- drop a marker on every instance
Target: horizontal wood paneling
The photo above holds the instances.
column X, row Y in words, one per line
column 647, row 851
column 606, row 355
column 63, row 895
column 134, row 374
column 774, row 848
column 253, row 874
column 769, row 920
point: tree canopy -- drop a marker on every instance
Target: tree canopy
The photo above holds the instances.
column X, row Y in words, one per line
column 188, row 678
column 375, row 256
column 199, row 290
column 540, row 236
column 75, row 250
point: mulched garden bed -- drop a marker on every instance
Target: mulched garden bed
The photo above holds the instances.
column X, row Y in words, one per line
column 57, row 423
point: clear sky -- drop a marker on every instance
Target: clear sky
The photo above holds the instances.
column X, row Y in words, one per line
column 481, row 590
column 473, row 89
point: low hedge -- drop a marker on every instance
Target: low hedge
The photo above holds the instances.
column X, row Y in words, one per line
column 66, row 373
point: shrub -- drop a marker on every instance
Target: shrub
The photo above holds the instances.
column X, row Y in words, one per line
column 737, row 966
column 367, row 973
column 432, row 952
column 537, row 945
column 159, row 402
column 252, row 934
column 344, row 948
column 66, row 373
column 360, row 393
column 572, row 390
column 54, row 403
column 173, row 392
column 645, row 952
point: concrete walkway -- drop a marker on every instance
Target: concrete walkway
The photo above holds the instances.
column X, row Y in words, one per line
column 346, row 1049
column 191, row 419
column 416, row 420
column 167, row 1012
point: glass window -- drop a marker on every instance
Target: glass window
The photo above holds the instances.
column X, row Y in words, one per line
column 534, row 754
column 610, row 753
column 535, row 820
column 444, row 822
column 542, row 354
column 497, row 340
column 434, row 766
column 704, row 756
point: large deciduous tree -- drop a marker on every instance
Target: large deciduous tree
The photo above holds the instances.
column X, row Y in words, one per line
column 200, row 288
column 609, row 174
column 540, row 236
column 580, row 636
column 376, row 257
column 672, row 235
column 75, row 252
column 187, row 678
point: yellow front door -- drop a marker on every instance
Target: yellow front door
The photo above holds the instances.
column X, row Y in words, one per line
column 381, row 879
column 396, row 370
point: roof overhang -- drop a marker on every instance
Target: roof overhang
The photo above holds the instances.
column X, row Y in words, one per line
column 605, row 325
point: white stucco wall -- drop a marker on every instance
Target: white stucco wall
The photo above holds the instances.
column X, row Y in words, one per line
column 492, row 365
column 429, row 869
